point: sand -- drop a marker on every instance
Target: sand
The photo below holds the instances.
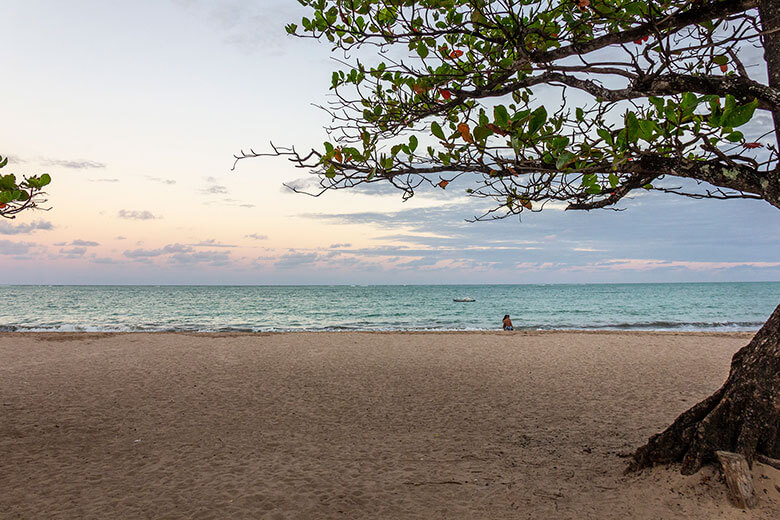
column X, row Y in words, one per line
column 355, row 425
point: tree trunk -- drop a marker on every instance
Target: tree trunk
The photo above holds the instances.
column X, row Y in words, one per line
column 742, row 417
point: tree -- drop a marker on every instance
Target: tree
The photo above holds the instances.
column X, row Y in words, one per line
column 654, row 95
column 16, row 196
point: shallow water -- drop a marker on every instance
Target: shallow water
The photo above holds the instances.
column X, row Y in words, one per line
column 690, row 306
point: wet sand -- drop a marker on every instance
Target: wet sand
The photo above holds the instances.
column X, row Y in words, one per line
column 355, row 425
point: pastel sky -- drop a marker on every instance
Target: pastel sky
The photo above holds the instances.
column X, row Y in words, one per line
column 136, row 108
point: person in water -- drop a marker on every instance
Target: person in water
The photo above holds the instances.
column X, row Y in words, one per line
column 508, row 323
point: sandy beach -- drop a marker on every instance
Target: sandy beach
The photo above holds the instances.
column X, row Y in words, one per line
column 355, row 425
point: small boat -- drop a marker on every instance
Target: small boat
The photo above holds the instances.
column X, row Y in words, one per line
column 463, row 300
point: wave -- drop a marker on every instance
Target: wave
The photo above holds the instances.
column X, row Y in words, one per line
column 690, row 326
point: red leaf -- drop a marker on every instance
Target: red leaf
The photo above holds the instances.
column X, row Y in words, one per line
column 724, row 68
column 496, row 129
column 457, row 53
column 446, row 94
column 443, row 184
column 752, row 145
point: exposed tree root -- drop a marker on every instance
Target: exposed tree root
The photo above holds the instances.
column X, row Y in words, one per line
column 743, row 416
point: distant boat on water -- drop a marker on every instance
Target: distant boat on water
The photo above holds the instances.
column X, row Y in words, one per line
column 463, row 300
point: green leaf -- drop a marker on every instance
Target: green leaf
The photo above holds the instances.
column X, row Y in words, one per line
column 689, row 100
column 580, row 114
column 481, row 133
column 413, row 143
column 44, row 179
column 735, row 137
column 613, row 180
column 501, row 115
column 437, row 131
column 720, row 60
column 4, row 162
column 422, row 50
column 738, row 116
column 564, row 159
column 632, row 127
column 538, row 118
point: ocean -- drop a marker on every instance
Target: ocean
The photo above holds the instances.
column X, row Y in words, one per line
column 679, row 306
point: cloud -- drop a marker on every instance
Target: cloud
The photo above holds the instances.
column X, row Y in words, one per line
column 645, row 264
column 137, row 215
column 257, row 237
column 161, row 181
column 293, row 259
column 103, row 180
column 181, row 254
column 150, row 253
column 336, row 246
column 15, row 248
column 6, row 228
column 84, row 243
column 216, row 189
column 13, row 159
column 120, row 237
column 249, row 25
column 76, row 165
column 73, row 252
column 214, row 258
column 104, row 260
column 211, row 243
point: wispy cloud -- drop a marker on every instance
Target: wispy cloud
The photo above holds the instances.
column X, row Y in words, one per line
column 336, row 246
column 216, row 189
column 84, row 243
column 214, row 258
column 257, row 237
column 161, row 180
column 211, row 243
column 293, row 259
column 137, row 215
column 15, row 248
column 645, row 264
column 75, row 165
column 73, row 252
column 166, row 250
column 103, row 180
column 180, row 254
column 6, row 228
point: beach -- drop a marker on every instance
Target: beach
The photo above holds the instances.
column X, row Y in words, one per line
column 392, row 425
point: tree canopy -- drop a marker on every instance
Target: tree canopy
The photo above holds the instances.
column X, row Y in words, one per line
column 573, row 102
column 527, row 102
column 17, row 196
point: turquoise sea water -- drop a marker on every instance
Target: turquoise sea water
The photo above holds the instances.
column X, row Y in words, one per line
column 694, row 306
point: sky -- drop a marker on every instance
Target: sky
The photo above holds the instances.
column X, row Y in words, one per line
column 136, row 109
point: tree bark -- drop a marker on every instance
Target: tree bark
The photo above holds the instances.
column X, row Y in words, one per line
column 770, row 23
column 743, row 416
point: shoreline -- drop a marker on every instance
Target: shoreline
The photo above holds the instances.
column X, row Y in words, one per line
column 484, row 425
column 527, row 332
